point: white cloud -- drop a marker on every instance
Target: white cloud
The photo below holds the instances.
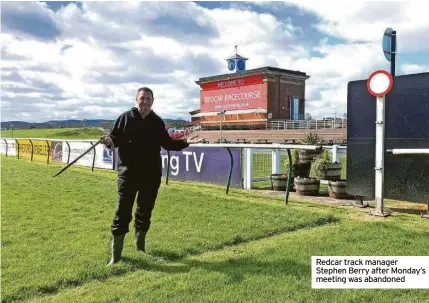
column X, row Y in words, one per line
column 367, row 20
column 326, row 90
column 106, row 51
column 414, row 68
column 117, row 43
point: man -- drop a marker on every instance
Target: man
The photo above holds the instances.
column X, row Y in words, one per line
column 139, row 134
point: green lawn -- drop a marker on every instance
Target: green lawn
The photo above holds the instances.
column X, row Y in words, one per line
column 58, row 229
column 204, row 245
column 54, row 133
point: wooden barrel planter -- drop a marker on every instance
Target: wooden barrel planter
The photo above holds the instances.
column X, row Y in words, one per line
column 307, row 186
column 306, row 156
column 333, row 172
column 338, row 189
column 278, row 182
column 301, row 170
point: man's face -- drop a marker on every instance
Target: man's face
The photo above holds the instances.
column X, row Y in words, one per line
column 144, row 102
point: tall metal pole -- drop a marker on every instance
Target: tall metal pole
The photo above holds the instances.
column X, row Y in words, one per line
column 379, row 157
column 393, row 54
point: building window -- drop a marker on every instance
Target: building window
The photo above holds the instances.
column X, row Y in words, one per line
column 295, row 108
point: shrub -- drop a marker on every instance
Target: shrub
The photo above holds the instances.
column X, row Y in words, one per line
column 312, row 139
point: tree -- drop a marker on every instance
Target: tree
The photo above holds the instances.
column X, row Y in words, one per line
column 178, row 123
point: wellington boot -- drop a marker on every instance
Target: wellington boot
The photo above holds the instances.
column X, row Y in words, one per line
column 140, row 240
column 117, row 246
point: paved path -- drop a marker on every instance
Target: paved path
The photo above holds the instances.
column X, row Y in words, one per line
column 323, row 198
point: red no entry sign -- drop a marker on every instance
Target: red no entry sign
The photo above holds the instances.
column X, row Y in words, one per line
column 379, row 83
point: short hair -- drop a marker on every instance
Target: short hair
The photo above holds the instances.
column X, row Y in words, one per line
column 145, row 89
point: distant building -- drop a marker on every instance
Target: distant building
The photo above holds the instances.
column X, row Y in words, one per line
column 194, row 118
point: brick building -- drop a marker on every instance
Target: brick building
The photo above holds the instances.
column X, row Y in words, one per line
column 248, row 99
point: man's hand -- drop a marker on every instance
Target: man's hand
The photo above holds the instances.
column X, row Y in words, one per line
column 106, row 140
column 193, row 139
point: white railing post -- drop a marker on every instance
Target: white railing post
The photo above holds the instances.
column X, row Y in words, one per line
column 335, row 157
column 248, row 168
column 275, row 161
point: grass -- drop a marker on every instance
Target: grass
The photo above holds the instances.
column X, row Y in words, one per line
column 54, row 133
column 56, row 231
column 274, row 269
column 204, row 246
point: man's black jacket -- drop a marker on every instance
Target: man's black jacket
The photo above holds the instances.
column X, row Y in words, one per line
column 139, row 143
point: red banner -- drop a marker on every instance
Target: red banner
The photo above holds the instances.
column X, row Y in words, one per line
column 235, row 98
column 250, row 80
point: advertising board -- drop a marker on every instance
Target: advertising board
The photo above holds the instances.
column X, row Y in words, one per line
column 204, row 165
column 235, row 94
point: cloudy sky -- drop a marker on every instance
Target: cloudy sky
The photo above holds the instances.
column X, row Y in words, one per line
column 64, row 60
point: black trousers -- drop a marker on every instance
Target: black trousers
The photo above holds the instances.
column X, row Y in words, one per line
column 147, row 189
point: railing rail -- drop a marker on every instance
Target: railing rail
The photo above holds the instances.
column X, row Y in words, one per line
column 307, row 124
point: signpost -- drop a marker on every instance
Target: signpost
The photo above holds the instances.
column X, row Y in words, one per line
column 406, row 140
column 379, row 85
column 400, row 137
column 220, row 114
column 389, row 48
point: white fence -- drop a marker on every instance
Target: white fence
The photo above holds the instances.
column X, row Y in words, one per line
column 307, row 124
column 66, row 151
column 264, row 162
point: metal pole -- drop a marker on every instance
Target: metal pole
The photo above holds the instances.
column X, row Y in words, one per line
column 32, row 149
column 220, row 128
column 77, row 159
column 49, row 150
column 93, row 159
column 393, row 55
column 6, row 145
column 83, row 128
column 289, row 176
column 231, row 165
column 168, row 167
column 408, row 151
column 379, row 158
column 17, row 150
column 68, row 157
column 258, row 146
